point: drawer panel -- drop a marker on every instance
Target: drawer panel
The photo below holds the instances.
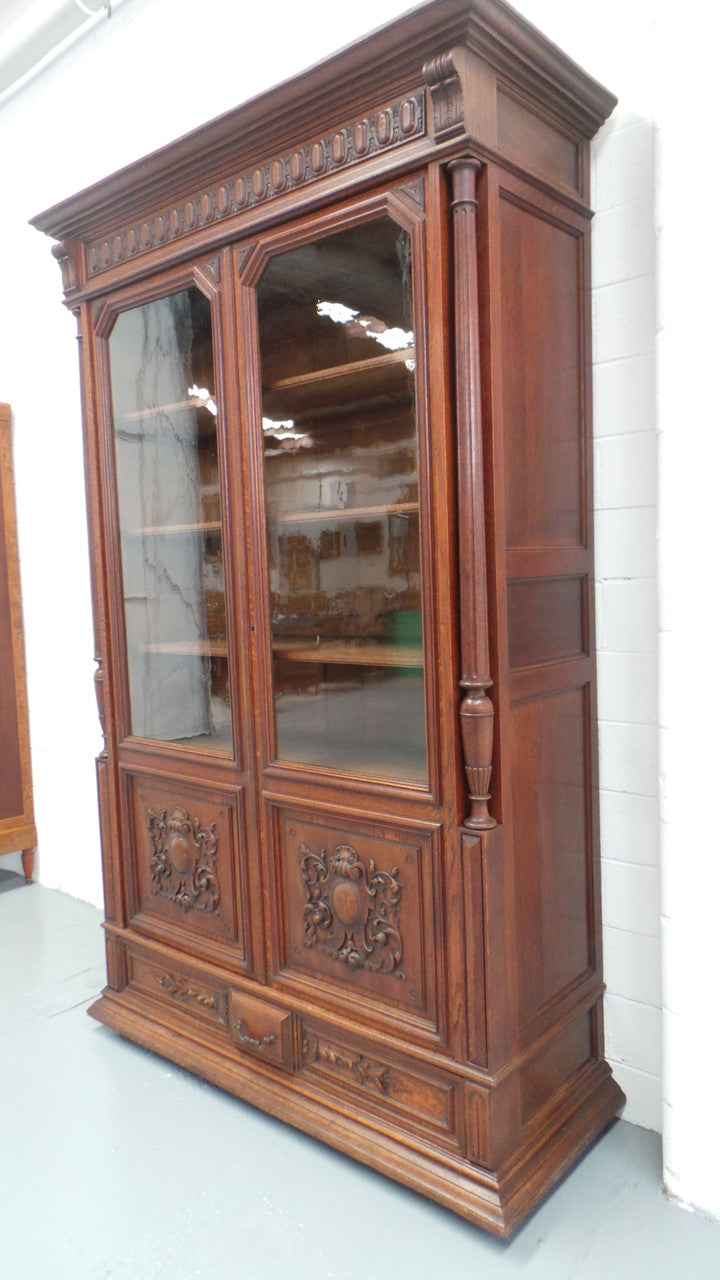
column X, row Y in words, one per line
column 381, row 1081
column 263, row 1030
column 176, row 985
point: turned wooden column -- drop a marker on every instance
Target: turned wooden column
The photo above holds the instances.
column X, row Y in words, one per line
column 476, row 708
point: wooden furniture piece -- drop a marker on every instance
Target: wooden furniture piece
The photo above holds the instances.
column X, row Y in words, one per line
column 17, row 821
column 337, row 407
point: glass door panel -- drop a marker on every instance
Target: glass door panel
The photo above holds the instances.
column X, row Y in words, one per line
column 341, row 492
column 166, row 450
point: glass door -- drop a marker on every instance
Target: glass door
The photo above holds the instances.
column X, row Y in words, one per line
column 168, row 483
column 340, row 459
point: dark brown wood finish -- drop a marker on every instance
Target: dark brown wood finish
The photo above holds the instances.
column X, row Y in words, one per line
column 405, row 964
column 17, row 820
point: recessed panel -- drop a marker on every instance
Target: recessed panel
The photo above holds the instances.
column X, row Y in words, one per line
column 380, row 1081
column 552, row 844
column 541, row 146
column 353, row 908
column 186, row 860
column 545, row 620
column 541, row 368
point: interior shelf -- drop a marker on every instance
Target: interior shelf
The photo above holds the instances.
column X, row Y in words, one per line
column 200, row 526
column 344, row 513
column 342, row 385
column 363, row 653
column 201, row 648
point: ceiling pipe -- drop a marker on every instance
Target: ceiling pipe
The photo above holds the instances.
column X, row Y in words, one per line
column 41, row 34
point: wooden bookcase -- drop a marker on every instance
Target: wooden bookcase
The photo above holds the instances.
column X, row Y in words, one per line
column 335, row 354
column 17, row 822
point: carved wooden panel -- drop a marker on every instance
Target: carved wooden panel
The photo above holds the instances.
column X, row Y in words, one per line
column 381, row 1081
column 382, row 130
column 170, row 982
column 358, row 910
column 186, row 853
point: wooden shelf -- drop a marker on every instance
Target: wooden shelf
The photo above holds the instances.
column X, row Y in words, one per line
column 381, row 376
column 189, row 648
column 202, row 526
column 344, row 513
column 361, row 653
column 157, row 410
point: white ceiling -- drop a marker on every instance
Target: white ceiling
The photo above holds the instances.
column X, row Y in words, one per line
column 31, row 29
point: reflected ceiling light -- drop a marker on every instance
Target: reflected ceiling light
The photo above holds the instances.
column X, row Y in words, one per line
column 202, row 399
column 284, row 433
column 359, row 326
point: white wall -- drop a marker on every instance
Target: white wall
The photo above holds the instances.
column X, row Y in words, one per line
column 148, row 75
column 689, row 448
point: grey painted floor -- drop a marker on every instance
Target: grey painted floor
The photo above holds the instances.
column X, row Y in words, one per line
column 117, row 1165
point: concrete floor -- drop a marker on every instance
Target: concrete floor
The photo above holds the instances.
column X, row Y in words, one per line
column 116, row 1164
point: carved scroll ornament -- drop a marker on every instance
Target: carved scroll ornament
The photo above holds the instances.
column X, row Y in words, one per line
column 364, row 1071
column 183, row 860
column 181, row 990
column 352, row 910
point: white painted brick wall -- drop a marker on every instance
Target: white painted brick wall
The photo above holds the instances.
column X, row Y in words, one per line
column 626, row 569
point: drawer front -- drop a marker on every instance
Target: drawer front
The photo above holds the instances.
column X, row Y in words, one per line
column 204, row 999
column 263, row 1030
column 382, row 1082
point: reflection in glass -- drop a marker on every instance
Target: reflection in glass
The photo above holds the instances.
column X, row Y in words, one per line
column 341, row 491
column 166, row 451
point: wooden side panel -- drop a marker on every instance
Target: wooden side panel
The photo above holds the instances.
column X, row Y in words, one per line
column 538, row 144
column 11, row 792
column 17, row 824
column 566, row 1053
column 551, row 822
column 540, row 282
column 546, row 620
column 550, row 731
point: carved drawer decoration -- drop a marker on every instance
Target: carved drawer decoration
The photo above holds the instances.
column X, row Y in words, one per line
column 186, row 860
column 428, row 1103
column 199, row 996
column 358, row 908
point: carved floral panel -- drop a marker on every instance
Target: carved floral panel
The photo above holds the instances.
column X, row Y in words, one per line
column 183, row 860
column 186, row 861
column 352, row 910
column 358, row 912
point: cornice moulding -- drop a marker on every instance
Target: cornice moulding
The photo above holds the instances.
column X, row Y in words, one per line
column 384, row 64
